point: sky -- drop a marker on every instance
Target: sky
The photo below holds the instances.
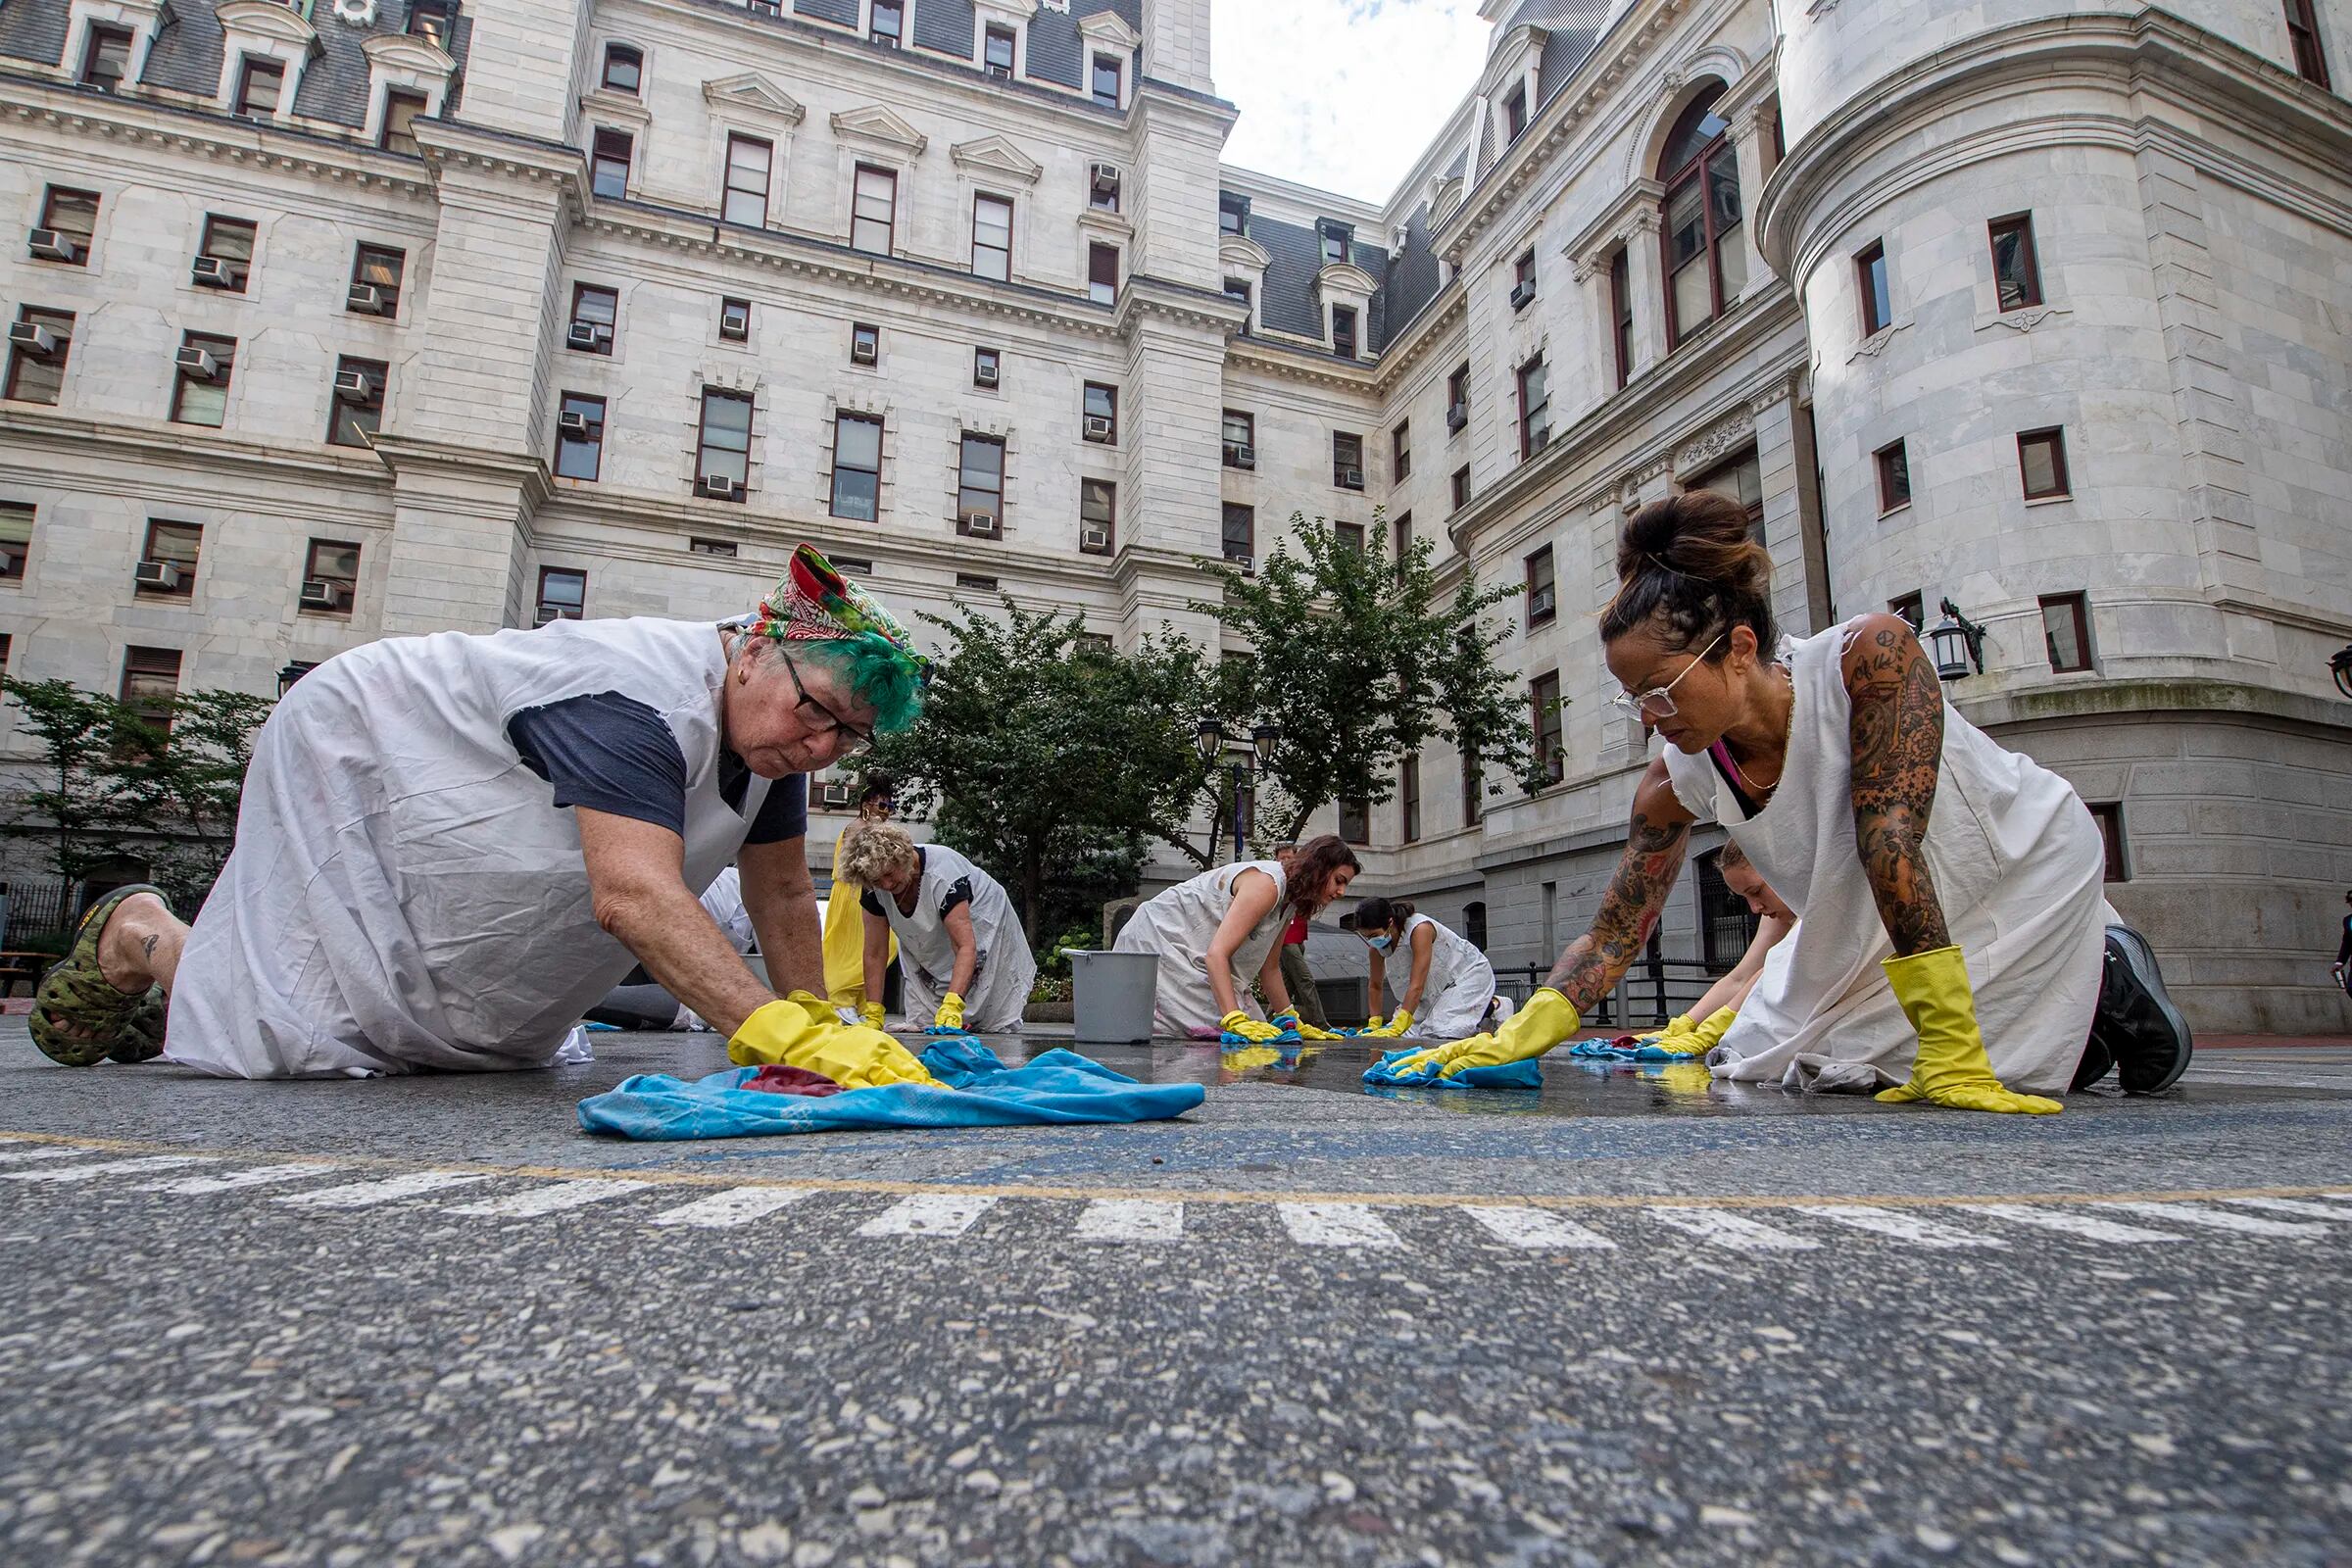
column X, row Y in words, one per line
column 1343, row 95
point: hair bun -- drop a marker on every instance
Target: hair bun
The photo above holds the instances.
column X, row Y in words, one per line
column 1691, row 560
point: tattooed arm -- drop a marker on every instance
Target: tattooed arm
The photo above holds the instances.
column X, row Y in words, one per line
column 1896, row 730
column 1653, row 858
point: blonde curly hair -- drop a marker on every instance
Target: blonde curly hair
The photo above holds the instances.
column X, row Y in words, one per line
column 871, row 849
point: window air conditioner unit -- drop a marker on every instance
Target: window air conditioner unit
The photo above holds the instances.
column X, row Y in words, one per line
column 590, row 335
column 325, row 593
column 1094, row 538
column 354, row 386
column 1351, row 478
column 1102, row 177
column 48, row 245
column 1097, row 427
column 575, row 426
column 1540, row 603
column 1520, row 294
column 1240, row 455
column 983, row 376
column 1247, row 565
column 718, row 487
column 372, row 298
column 863, row 351
column 214, row 271
column 834, row 794
column 161, row 575
column 980, row 524
column 34, row 338
column 1456, row 416
column 196, row 363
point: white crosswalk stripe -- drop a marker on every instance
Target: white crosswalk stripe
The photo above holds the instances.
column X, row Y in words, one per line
column 549, row 1200
column 1131, row 1219
column 2221, row 1219
column 928, row 1214
column 737, row 1205
column 367, row 1194
column 232, row 1181
column 2072, row 1222
column 1719, row 1227
column 1536, row 1230
column 11, row 1155
column 1902, row 1226
column 2291, row 1205
column 110, row 1167
column 1336, row 1225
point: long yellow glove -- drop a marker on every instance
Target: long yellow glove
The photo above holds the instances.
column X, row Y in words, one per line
column 1547, row 1019
column 1680, row 1024
column 870, row 1014
column 951, row 1012
column 1951, row 1067
column 1395, row 1028
column 804, row 1032
column 1305, row 1030
column 1698, row 1039
column 1238, row 1024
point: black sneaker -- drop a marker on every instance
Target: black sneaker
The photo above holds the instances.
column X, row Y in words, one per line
column 2095, row 1065
column 2135, row 1020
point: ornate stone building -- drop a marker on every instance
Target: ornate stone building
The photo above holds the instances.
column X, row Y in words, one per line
column 335, row 318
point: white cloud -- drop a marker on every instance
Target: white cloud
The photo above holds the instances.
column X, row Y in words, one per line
column 1343, row 95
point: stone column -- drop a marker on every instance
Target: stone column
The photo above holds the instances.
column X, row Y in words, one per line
column 1646, row 271
column 1748, row 133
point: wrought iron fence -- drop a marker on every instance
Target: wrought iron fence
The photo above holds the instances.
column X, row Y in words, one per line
column 1652, row 991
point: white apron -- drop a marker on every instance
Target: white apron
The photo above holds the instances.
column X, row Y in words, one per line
column 1180, row 924
column 403, row 892
column 1460, row 983
column 2017, row 864
column 723, row 900
column 1007, row 970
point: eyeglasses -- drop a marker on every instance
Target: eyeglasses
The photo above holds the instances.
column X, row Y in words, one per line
column 856, row 740
column 1659, row 701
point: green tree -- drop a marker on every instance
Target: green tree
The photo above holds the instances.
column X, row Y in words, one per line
column 185, row 783
column 1362, row 661
column 74, row 806
column 1053, row 763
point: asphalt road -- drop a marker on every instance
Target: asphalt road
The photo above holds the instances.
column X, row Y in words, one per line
column 1634, row 1319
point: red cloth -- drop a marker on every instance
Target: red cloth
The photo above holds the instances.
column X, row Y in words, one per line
column 780, row 1080
column 1295, row 934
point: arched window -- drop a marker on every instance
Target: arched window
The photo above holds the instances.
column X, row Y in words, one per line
column 1707, row 266
column 624, row 68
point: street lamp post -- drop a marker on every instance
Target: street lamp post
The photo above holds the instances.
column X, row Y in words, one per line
column 1956, row 644
column 1209, row 740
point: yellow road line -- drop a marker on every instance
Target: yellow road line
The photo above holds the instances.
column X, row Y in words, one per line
column 1395, row 1199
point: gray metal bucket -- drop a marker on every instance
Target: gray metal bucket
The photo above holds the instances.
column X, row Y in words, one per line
column 1116, row 994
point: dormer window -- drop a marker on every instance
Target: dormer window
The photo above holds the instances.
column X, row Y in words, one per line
column 1233, row 213
column 888, row 23
column 1514, row 113
column 434, row 21
column 996, row 51
column 1336, row 237
column 1105, row 80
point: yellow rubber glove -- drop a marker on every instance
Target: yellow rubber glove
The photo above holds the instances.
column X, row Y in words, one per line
column 1547, row 1019
column 1951, row 1068
column 1305, row 1031
column 951, row 1012
column 1698, row 1039
column 1238, row 1023
column 804, row 1032
column 870, row 1014
column 1677, row 1025
column 1395, row 1028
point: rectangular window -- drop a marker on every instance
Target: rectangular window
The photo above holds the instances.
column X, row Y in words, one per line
column 73, row 216
column 996, row 51
column 1870, row 279
column 260, row 85
column 992, row 237
column 1912, row 608
column 36, row 368
column 1461, row 487
column 749, row 160
column 722, row 453
column 1356, row 821
column 2066, row 631
column 1102, row 273
column 1233, row 213
column 1400, row 450
column 434, row 21
column 1240, row 437
column 167, row 559
column 1895, row 478
column 980, row 486
column 856, row 466
column 1350, row 535
column 1101, row 414
column 579, row 436
column 16, row 539
column 1404, row 529
column 1458, row 399
column 200, row 379
column 375, row 275
column 1336, row 239
column 1408, row 790
column 2041, row 463
column 865, row 343
column 888, row 23
column 2303, row 33
column 609, row 164
column 1241, row 531
column 1102, row 188
column 106, row 58
column 1523, row 281
column 1514, row 114
column 1474, row 789
column 358, row 399
column 1543, row 596
column 1534, row 408
column 595, row 310
column 2016, row 270
column 1544, row 696
column 1105, row 80
column 1343, row 331
column 1740, row 478
column 624, row 68
column 988, row 368
column 1346, row 461
column 563, row 593
column 402, row 111
column 977, row 583
column 875, row 210
column 734, row 321
column 1237, row 290
column 150, row 683
column 1097, row 515
column 2109, row 814
column 330, row 577
column 1621, row 312
column 224, row 254
column 722, row 547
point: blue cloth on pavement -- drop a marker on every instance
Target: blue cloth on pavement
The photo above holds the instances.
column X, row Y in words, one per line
column 1612, row 1051
column 1059, row 1086
column 1528, row 1074
column 1289, row 1036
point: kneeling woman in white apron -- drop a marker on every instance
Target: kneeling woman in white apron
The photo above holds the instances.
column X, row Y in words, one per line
column 961, row 949
column 1447, row 984
column 1223, row 927
column 1955, row 942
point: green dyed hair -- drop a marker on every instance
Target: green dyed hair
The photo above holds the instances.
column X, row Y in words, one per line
column 879, row 675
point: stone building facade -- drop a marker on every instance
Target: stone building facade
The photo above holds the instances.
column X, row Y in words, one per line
column 338, row 318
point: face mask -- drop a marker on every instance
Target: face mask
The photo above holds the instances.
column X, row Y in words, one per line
column 1382, row 944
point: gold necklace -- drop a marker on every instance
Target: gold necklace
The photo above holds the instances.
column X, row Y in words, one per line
column 1749, row 783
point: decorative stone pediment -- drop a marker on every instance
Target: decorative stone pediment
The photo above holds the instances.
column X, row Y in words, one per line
column 263, row 19
column 1238, row 253
column 881, row 126
column 997, row 157
column 1105, row 30
column 1733, row 431
column 1443, row 193
column 406, row 53
column 754, row 95
column 1344, row 278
